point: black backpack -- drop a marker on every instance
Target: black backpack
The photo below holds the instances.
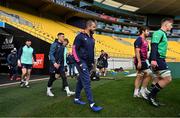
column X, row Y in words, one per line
column 94, row 76
column 100, row 63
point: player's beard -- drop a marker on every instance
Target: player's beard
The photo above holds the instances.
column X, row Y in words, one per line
column 146, row 35
column 91, row 32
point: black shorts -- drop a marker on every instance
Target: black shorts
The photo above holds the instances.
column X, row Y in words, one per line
column 162, row 65
column 105, row 64
column 27, row 66
column 144, row 65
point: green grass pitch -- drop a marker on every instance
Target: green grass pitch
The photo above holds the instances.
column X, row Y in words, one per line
column 114, row 95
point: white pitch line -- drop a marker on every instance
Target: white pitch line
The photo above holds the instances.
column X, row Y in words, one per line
column 14, row 83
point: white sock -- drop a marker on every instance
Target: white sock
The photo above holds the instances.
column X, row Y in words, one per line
column 142, row 89
column 136, row 91
column 26, row 83
column 67, row 89
column 48, row 89
column 91, row 105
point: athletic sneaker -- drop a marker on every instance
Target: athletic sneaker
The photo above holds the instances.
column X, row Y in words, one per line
column 96, row 108
column 153, row 101
column 49, row 93
column 137, row 95
column 144, row 95
column 77, row 101
column 160, row 103
column 27, row 86
column 147, row 91
column 70, row 93
column 22, row 84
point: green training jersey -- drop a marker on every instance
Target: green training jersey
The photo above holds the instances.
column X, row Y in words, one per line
column 160, row 37
column 27, row 54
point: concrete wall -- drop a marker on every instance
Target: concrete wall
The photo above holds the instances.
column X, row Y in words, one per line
column 120, row 62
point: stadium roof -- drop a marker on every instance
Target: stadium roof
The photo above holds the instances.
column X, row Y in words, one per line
column 163, row 7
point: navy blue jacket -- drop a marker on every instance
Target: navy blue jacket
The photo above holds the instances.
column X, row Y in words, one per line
column 56, row 55
column 83, row 48
column 12, row 59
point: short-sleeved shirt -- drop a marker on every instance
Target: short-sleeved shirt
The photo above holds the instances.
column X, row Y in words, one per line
column 143, row 45
column 160, row 37
column 27, row 54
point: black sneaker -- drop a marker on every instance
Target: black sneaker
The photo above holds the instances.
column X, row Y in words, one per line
column 153, row 101
column 160, row 103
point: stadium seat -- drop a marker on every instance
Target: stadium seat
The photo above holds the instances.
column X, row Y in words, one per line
column 46, row 29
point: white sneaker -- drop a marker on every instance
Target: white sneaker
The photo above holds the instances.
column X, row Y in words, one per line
column 49, row 93
column 137, row 95
column 143, row 94
column 147, row 91
column 22, row 84
column 70, row 93
column 27, row 84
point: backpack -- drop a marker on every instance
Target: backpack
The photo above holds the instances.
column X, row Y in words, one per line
column 100, row 63
column 94, row 76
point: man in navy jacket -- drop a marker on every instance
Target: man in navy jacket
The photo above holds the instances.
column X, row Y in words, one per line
column 83, row 52
column 56, row 55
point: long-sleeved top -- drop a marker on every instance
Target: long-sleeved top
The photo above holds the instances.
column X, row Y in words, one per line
column 12, row 59
column 56, row 55
column 83, row 48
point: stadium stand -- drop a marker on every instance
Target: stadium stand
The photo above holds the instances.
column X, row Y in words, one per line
column 37, row 26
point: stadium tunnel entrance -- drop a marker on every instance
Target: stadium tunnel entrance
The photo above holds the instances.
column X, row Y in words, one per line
column 11, row 37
